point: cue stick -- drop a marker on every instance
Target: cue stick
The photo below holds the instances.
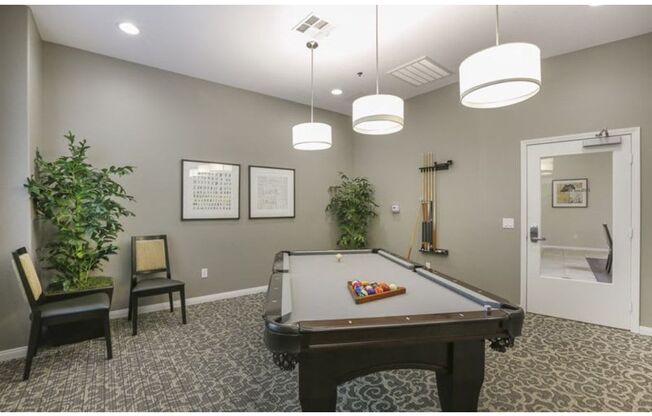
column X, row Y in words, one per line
column 424, row 207
column 429, row 199
column 425, row 203
column 434, row 206
column 414, row 235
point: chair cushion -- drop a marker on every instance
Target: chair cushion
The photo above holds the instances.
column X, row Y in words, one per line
column 88, row 303
column 156, row 283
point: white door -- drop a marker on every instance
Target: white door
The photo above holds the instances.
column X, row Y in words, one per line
column 578, row 193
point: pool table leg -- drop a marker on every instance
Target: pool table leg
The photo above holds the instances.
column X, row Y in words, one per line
column 317, row 388
column 459, row 387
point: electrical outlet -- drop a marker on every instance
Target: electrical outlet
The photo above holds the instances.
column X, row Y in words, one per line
column 508, row 223
column 204, row 273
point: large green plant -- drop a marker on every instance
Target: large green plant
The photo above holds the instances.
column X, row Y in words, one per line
column 81, row 201
column 352, row 204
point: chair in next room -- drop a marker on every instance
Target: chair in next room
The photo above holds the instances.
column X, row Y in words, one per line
column 610, row 257
column 151, row 275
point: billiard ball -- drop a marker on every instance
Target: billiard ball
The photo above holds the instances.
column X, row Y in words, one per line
column 379, row 289
column 371, row 290
column 392, row 286
column 355, row 283
column 364, row 283
column 363, row 292
column 368, row 288
column 338, row 257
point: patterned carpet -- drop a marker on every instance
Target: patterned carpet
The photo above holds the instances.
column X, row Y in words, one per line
column 218, row 363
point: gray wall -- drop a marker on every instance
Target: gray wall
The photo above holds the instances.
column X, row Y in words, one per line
column 141, row 116
column 19, row 127
column 579, row 227
column 34, row 92
column 609, row 85
column 137, row 115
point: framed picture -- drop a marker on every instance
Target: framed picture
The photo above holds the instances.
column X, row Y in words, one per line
column 271, row 192
column 209, row 190
column 570, row 193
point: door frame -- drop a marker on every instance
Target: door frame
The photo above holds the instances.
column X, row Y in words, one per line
column 635, row 264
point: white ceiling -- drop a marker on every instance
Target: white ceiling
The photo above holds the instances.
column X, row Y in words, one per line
column 254, row 48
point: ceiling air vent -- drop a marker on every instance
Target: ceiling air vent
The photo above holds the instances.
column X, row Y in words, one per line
column 314, row 27
column 420, row 71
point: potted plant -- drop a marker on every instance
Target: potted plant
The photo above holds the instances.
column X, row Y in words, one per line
column 352, row 204
column 81, row 202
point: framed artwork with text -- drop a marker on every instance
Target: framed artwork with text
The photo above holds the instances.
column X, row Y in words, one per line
column 209, row 190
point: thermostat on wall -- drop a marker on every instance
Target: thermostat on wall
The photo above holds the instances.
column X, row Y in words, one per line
column 396, row 208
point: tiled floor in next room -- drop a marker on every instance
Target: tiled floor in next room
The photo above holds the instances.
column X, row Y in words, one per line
column 569, row 263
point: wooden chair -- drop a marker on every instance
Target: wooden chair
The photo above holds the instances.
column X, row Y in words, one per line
column 149, row 256
column 45, row 313
column 610, row 257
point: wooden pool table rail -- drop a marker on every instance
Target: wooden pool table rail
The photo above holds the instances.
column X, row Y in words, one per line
column 330, row 352
column 508, row 316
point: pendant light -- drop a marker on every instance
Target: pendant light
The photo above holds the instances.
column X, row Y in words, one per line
column 379, row 113
column 311, row 136
column 501, row 75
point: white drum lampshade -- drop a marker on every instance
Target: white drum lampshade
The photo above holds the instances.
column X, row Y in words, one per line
column 311, row 136
column 500, row 76
column 378, row 114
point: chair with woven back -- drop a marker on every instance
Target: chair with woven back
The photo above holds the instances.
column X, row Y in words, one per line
column 149, row 260
column 47, row 312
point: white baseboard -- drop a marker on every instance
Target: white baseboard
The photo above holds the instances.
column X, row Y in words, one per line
column 20, row 352
column 122, row 313
column 645, row 330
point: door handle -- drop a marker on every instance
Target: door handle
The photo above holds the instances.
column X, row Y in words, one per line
column 534, row 234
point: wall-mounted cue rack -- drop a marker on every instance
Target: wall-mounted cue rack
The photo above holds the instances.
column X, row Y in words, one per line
column 428, row 207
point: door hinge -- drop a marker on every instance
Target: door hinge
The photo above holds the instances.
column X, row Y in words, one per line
column 631, row 158
column 631, row 233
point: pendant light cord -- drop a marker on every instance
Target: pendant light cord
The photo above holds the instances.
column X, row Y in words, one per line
column 377, row 89
column 497, row 27
column 312, row 83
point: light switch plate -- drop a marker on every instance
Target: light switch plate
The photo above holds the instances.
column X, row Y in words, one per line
column 508, row 223
column 204, row 273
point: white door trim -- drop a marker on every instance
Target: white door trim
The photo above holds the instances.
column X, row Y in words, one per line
column 635, row 266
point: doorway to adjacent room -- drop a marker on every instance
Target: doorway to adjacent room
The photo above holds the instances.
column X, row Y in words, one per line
column 580, row 238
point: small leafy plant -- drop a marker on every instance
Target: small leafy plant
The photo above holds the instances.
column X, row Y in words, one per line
column 81, row 202
column 352, row 204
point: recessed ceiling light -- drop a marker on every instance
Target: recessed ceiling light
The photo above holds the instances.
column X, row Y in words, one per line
column 336, row 91
column 595, row 4
column 129, row 28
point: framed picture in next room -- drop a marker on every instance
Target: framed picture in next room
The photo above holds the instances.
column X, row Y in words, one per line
column 570, row 193
column 271, row 192
column 209, row 190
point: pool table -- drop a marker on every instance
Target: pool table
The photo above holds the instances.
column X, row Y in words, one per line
column 440, row 323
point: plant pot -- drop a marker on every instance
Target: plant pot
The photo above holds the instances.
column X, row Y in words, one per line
column 95, row 284
column 76, row 331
